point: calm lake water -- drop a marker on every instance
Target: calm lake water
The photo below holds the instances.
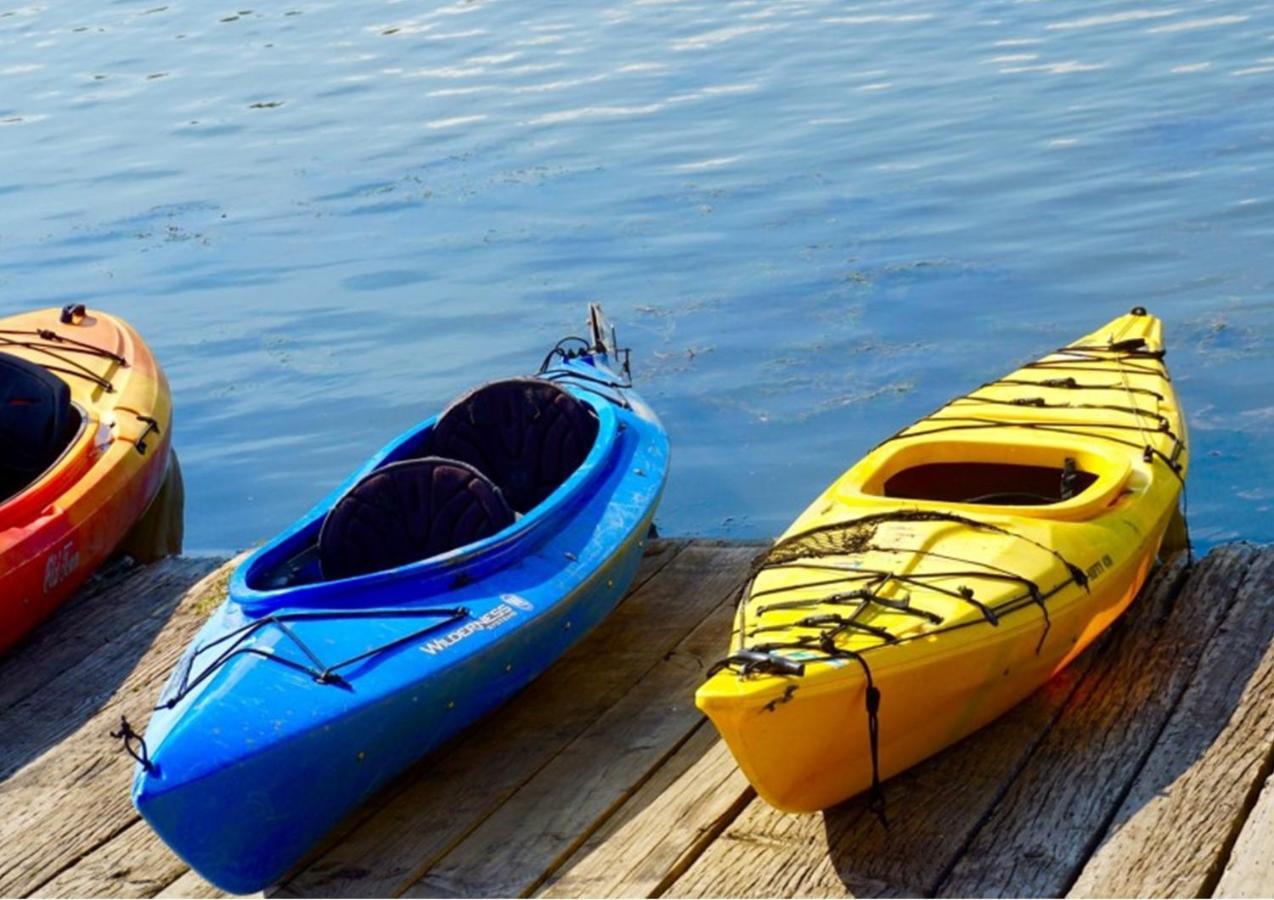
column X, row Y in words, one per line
column 813, row 221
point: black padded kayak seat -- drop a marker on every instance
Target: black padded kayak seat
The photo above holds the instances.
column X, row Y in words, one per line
column 406, row 512
column 526, row 434
column 37, row 422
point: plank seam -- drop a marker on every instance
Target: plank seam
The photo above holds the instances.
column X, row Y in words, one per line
column 1102, row 832
column 30, row 891
column 419, row 873
column 1217, row 871
column 610, row 811
column 703, row 841
column 167, row 884
column 679, row 546
column 116, row 580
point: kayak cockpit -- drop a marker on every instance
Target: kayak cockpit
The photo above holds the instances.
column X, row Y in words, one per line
column 494, row 466
column 38, row 423
column 1001, row 483
column 1041, row 477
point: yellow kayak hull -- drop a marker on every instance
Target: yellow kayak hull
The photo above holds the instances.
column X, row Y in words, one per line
column 954, row 569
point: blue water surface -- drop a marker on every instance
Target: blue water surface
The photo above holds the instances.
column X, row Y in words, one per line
column 813, row 221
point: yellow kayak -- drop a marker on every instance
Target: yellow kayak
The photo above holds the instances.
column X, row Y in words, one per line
column 953, row 570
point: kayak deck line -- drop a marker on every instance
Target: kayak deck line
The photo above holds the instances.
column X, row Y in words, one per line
column 322, row 672
column 616, row 786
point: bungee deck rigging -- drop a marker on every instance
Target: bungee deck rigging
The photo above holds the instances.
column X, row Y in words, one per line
column 56, row 346
column 798, row 551
column 583, row 380
column 1123, row 352
column 321, row 672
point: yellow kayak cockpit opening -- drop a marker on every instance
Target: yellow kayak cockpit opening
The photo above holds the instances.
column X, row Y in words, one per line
column 1041, row 478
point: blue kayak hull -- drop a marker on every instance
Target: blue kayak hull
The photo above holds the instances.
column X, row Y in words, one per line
column 287, row 797
column 295, row 703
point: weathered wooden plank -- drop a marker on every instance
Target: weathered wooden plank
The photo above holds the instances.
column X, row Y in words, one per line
column 135, row 863
column 650, row 840
column 998, row 795
column 97, row 615
column 1206, row 768
column 74, row 796
column 1250, row 869
column 1039, row 835
column 934, row 808
column 766, row 853
column 514, row 849
column 442, row 799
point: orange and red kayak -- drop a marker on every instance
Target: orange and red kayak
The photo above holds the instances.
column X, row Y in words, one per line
column 84, row 448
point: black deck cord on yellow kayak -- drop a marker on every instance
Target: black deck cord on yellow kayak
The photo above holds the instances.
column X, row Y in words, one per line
column 1124, row 353
column 758, row 660
column 1070, row 384
column 862, row 543
column 876, row 794
column 134, row 744
column 57, row 346
column 763, row 659
column 321, row 672
column 1033, row 593
column 862, row 523
column 1041, row 403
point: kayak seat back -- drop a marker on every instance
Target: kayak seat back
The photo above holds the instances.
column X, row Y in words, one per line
column 37, row 422
column 408, row 511
column 526, row 434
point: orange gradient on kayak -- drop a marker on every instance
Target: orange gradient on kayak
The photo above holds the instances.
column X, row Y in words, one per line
column 59, row 528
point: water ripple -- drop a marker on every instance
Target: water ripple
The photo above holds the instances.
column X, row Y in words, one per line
column 812, row 220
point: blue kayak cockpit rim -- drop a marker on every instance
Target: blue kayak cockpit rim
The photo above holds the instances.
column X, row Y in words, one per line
column 470, row 561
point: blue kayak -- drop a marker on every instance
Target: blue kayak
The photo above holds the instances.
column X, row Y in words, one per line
column 448, row 572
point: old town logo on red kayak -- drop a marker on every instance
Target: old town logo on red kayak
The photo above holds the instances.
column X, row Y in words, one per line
column 61, row 563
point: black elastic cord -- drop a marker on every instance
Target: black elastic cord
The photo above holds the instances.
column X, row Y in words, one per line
column 566, row 355
column 1071, row 384
column 862, row 522
column 876, row 796
column 321, row 672
column 134, row 744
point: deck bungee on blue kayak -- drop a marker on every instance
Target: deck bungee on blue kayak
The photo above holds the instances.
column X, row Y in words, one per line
column 305, row 693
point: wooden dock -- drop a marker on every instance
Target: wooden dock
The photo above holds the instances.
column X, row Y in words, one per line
column 1143, row 769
